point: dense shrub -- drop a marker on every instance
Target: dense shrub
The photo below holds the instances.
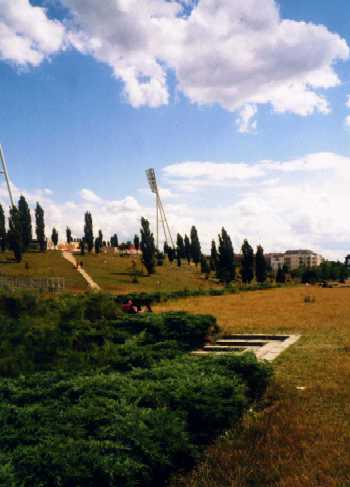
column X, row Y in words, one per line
column 90, row 396
column 88, row 332
column 119, row 429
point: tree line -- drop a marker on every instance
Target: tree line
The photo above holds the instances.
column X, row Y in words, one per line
column 18, row 236
column 221, row 263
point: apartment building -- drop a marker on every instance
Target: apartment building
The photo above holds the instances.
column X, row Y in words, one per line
column 275, row 260
column 293, row 259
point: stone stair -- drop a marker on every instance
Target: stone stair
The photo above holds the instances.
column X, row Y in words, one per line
column 266, row 347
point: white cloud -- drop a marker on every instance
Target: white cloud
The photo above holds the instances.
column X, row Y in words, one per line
column 347, row 121
column 225, row 52
column 282, row 204
column 230, row 53
column 88, row 195
column 245, row 121
column 27, row 35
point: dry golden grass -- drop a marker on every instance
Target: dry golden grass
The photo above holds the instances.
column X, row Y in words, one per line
column 299, row 437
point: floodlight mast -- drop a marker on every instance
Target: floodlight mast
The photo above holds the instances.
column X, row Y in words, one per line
column 4, row 171
column 160, row 213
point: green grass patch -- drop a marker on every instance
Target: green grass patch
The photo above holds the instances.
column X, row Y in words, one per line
column 42, row 265
column 114, row 273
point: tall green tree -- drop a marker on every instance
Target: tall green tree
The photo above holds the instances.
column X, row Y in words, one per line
column 2, row 230
column 178, row 257
column 26, row 222
column 136, row 242
column 260, row 265
column 180, row 246
column 97, row 245
column 100, row 238
column 196, row 252
column 247, row 264
column 188, row 253
column 213, row 262
column 205, row 268
column 15, row 233
column 82, row 247
column 281, row 275
column 114, row 240
column 88, row 232
column 147, row 247
column 54, row 237
column 69, row 235
column 40, row 227
column 225, row 269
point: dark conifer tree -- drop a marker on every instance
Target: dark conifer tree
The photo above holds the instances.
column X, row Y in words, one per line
column 88, row 232
column 14, row 235
column 97, row 245
column 2, row 230
column 114, row 240
column 247, row 265
column 281, row 276
column 225, row 269
column 196, row 252
column 147, row 246
column 213, row 257
column 260, row 265
column 82, row 246
column 180, row 246
column 178, row 257
column 40, row 227
column 100, row 238
column 205, row 269
column 136, row 242
column 54, row 237
column 187, row 249
column 69, row 235
column 26, row 222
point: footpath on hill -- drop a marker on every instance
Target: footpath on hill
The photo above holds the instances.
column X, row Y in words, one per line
column 70, row 257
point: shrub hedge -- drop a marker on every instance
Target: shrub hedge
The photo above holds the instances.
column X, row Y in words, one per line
column 89, row 396
column 162, row 296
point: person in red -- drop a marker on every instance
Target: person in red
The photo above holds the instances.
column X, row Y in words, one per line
column 129, row 307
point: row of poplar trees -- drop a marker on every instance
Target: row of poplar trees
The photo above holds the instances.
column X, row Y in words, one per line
column 18, row 235
column 221, row 261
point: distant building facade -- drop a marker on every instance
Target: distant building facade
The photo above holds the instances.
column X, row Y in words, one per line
column 293, row 259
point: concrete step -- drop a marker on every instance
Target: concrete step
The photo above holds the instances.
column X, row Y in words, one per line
column 241, row 343
column 219, row 348
column 256, row 336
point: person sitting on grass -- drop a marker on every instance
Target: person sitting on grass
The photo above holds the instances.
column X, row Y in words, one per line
column 129, row 307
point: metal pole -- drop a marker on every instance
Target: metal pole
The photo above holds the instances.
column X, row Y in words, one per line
column 166, row 223
column 157, row 208
column 161, row 211
column 5, row 173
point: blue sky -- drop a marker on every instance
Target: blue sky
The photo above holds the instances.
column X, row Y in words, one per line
column 217, row 90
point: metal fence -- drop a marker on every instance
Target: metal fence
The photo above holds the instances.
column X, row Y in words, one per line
column 42, row 284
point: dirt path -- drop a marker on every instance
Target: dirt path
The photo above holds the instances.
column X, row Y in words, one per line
column 92, row 284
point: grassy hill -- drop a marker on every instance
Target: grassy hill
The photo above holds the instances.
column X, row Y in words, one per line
column 38, row 265
column 302, row 436
column 114, row 273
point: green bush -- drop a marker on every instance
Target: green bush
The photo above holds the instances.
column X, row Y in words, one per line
column 120, row 429
column 91, row 396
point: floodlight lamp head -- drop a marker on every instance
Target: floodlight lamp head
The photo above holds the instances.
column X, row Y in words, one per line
column 151, row 176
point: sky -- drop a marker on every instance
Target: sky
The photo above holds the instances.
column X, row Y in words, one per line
column 241, row 106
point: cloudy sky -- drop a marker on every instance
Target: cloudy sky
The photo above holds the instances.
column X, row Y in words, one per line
column 241, row 106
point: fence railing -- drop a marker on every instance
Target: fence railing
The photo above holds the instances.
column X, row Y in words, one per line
column 43, row 284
